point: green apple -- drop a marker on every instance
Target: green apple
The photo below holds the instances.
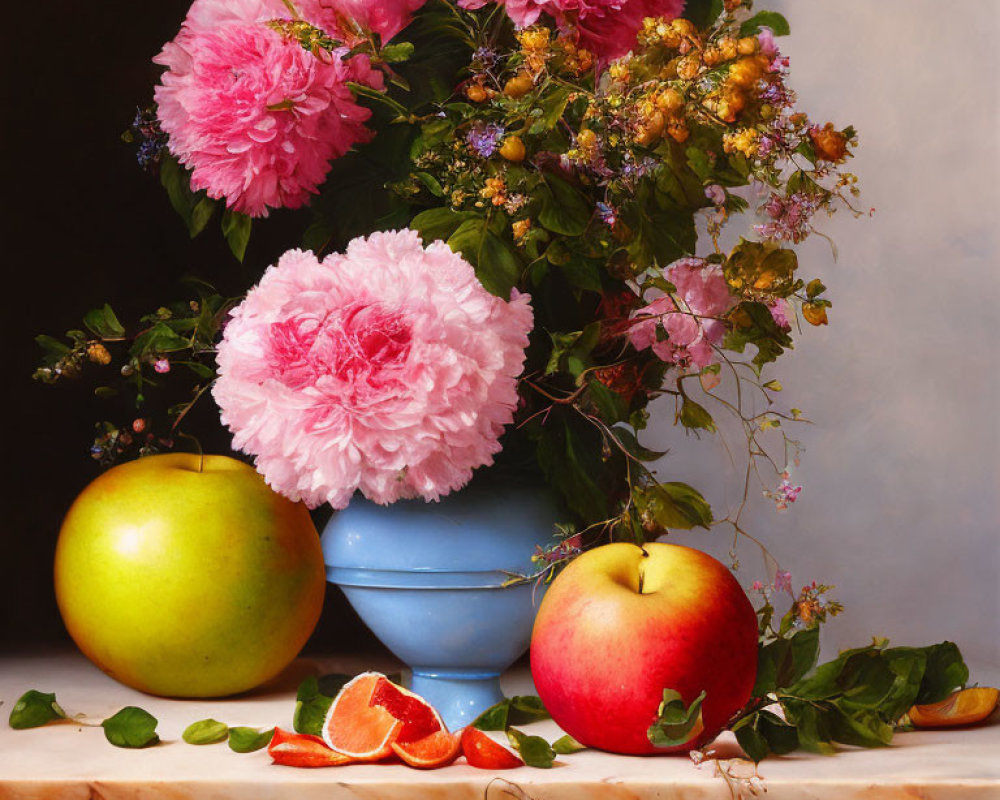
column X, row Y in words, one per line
column 622, row 623
column 188, row 577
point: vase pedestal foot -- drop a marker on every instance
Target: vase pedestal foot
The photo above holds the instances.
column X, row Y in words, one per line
column 458, row 696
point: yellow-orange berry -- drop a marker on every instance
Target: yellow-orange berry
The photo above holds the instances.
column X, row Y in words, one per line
column 669, row 101
column 728, row 48
column 518, row 86
column 475, row 92
column 678, row 131
column 520, row 228
column 513, row 149
column 98, row 353
column 747, row 46
column 687, row 67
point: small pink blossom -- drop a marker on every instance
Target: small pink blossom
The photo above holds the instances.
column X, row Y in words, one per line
column 359, row 372
column 783, row 582
column 256, row 117
column 162, row 365
column 690, row 325
column 779, row 313
column 605, row 27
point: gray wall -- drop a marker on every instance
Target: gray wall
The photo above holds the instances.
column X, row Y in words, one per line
column 902, row 464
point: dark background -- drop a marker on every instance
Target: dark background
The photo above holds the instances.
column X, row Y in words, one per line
column 84, row 225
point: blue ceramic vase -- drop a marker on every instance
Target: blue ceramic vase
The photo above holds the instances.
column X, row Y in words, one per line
column 427, row 579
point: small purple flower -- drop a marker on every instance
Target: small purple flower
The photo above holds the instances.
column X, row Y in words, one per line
column 716, row 194
column 606, row 214
column 162, row 365
column 783, row 582
column 485, row 138
column 485, row 57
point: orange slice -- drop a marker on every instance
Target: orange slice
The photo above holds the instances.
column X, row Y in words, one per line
column 357, row 726
column 437, row 750
column 302, row 750
column 483, row 753
column 964, row 707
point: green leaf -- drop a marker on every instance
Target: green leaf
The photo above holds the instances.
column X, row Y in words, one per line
column 564, row 209
column 131, row 727
column 812, row 725
column 814, row 288
column 201, row 213
column 628, row 440
column 766, row 19
column 783, row 662
column 702, row 12
column 569, row 453
column 432, row 183
column 52, row 347
column 862, row 727
column 526, row 708
column 103, row 322
column 236, row 230
column 565, row 745
column 206, row 731
column 675, row 721
column 945, row 672
column 313, row 701
column 496, row 263
column 694, row 415
column 781, row 737
column 751, row 740
column 246, row 740
column 609, row 403
column 518, row 710
column 34, row 708
column 534, row 750
column 160, row 338
column 439, row 223
column 673, row 505
column 551, row 108
column 397, row 52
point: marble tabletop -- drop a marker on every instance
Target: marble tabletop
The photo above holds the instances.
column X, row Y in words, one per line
column 68, row 761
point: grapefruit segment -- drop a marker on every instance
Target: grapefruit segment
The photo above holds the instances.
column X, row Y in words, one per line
column 436, row 750
column 483, row 753
column 964, row 707
column 419, row 717
column 303, row 750
column 357, row 726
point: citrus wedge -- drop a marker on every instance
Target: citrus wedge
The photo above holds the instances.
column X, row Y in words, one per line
column 964, row 707
column 302, row 750
column 419, row 717
column 437, row 750
column 356, row 725
column 483, row 753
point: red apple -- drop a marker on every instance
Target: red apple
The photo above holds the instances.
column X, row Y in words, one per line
column 623, row 623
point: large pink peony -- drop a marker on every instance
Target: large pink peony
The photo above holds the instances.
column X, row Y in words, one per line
column 691, row 322
column 389, row 369
column 339, row 18
column 255, row 116
column 605, row 27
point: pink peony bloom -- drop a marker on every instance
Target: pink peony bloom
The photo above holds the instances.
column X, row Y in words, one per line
column 605, row 27
column 384, row 17
column 255, row 116
column 703, row 293
column 339, row 18
column 389, row 369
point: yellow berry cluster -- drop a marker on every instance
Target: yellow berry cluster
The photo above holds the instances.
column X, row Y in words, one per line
column 495, row 191
column 744, row 140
